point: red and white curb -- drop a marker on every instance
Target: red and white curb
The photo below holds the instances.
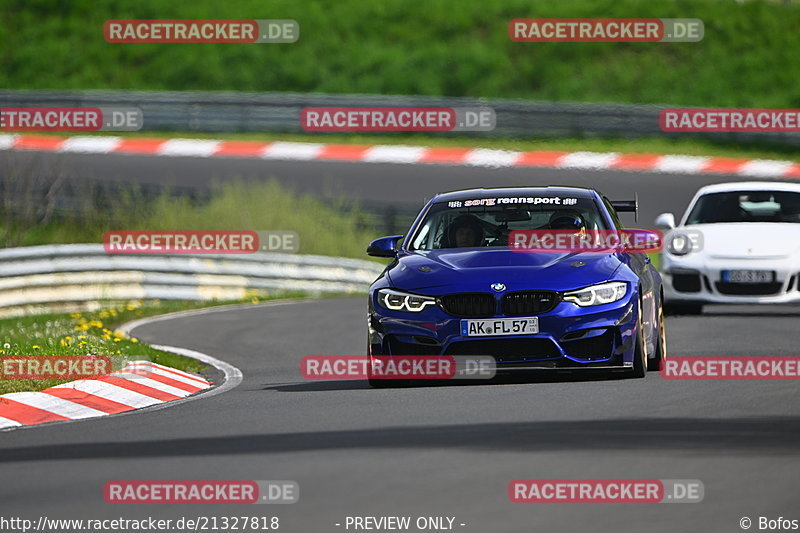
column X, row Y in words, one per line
column 139, row 384
column 475, row 157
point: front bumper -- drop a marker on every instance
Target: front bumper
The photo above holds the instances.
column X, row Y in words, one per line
column 698, row 279
column 570, row 337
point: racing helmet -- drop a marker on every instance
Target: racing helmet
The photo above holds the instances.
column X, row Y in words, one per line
column 464, row 221
column 567, row 219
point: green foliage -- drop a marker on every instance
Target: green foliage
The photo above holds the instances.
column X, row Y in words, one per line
column 333, row 228
column 748, row 57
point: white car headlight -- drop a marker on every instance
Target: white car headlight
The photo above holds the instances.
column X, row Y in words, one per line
column 604, row 293
column 403, row 301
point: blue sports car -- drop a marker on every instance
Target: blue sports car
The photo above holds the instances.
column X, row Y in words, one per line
column 456, row 287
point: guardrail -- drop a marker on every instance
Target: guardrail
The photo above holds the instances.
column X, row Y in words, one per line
column 57, row 277
column 280, row 112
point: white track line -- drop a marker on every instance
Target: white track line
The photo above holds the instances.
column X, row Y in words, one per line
column 189, row 147
column 394, row 154
column 90, row 145
column 293, row 151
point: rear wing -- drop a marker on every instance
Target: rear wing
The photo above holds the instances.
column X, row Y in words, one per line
column 627, row 206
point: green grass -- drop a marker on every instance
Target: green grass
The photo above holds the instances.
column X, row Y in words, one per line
column 335, row 228
column 82, row 334
column 748, row 57
column 95, row 333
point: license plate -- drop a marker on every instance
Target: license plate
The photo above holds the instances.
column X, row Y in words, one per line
column 748, row 276
column 500, row 326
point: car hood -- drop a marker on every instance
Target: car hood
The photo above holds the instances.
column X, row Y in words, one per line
column 750, row 240
column 475, row 270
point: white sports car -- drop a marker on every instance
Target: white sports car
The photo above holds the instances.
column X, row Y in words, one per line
column 737, row 243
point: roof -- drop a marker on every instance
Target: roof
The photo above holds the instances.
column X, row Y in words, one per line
column 466, row 194
column 750, row 186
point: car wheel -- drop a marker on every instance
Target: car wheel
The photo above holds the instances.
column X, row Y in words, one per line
column 683, row 309
column 640, row 352
column 656, row 363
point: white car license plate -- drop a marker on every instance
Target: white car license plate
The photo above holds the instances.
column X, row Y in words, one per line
column 500, row 326
column 748, row 276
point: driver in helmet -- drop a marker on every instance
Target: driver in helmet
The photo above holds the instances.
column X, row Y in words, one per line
column 567, row 219
column 465, row 231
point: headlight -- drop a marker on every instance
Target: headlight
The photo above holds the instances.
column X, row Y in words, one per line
column 402, row 301
column 679, row 244
column 604, row 293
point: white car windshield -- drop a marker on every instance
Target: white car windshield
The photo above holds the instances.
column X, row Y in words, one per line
column 746, row 206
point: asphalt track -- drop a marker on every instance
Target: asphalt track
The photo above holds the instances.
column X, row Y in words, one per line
column 436, row 451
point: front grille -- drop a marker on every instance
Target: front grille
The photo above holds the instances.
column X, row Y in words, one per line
column 470, row 304
column 507, row 350
column 597, row 347
column 523, row 303
column 686, row 282
column 748, row 289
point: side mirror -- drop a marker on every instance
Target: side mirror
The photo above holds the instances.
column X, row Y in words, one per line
column 384, row 247
column 665, row 220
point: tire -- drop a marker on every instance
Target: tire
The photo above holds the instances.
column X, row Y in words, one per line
column 380, row 383
column 657, row 363
column 688, row 309
column 640, row 352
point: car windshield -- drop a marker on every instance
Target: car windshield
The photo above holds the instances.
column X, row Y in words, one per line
column 488, row 221
column 746, row 206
